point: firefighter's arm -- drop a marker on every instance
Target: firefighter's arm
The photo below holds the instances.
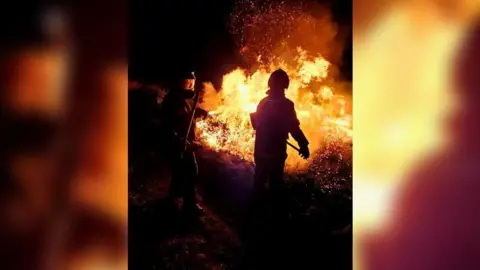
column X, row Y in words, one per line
column 201, row 113
column 295, row 130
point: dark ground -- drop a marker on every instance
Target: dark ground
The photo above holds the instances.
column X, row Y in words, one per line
column 320, row 207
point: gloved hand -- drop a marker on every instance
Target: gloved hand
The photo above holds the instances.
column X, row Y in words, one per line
column 201, row 113
column 304, row 151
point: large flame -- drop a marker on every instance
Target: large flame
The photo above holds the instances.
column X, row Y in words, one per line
column 325, row 115
column 302, row 40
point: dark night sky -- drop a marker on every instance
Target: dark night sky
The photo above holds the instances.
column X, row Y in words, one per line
column 166, row 35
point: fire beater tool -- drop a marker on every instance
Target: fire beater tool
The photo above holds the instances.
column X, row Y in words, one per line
column 192, row 118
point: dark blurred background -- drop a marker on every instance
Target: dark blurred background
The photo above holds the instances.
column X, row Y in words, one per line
column 63, row 145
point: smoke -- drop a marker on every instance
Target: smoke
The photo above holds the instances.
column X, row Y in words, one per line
column 274, row 30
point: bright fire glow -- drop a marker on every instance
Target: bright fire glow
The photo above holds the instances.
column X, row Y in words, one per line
column 325, row 116
column 401, row 101
column 402, row 95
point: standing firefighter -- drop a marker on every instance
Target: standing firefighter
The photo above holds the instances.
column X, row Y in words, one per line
column 178, row 113
column 274, row 120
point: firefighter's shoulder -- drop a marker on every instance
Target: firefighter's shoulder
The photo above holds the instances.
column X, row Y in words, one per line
column 289, row 103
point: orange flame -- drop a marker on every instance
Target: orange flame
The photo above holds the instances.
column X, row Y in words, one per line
column 324, row 115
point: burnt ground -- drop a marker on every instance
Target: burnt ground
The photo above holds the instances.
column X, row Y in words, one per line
column 316, row 233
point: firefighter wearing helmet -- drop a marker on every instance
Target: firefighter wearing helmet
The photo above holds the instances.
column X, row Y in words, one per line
column 176, row 111
column 273, row 121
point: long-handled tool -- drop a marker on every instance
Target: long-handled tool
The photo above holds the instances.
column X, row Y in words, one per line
column 192, row 118
column 298, row 150
column 293, row 146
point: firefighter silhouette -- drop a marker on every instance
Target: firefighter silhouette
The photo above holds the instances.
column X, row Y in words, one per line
column 273, row 121
column 176, row 110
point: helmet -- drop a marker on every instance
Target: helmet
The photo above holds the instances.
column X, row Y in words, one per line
column 187, row 80
column 190, row 75
column 278, row 80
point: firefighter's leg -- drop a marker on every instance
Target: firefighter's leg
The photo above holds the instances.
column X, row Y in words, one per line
column 190, row 178
column 278, row 213
column 277, row 184
column 260, row 177
column 175, row 190
column 278, row 188
column 256, row 204
column 253, row 228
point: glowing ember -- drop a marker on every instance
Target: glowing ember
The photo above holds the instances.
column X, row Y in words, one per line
column 324, row 116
